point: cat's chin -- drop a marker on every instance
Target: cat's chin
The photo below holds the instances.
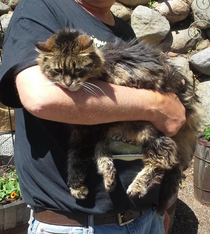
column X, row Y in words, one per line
column 74, row 87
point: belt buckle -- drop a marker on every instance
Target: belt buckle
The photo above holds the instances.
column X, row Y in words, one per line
column 120, row 220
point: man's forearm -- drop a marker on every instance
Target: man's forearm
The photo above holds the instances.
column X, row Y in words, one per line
column 53, row 103
column 119, row 104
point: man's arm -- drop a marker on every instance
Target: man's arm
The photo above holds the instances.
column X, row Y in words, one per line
column 119, row 104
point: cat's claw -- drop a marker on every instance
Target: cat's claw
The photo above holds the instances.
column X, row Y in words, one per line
column 115, row 137
column 118, row 138
column 79, row 193
column 124, row 140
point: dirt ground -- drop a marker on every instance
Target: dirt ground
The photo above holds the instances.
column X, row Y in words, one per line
column 191, row 217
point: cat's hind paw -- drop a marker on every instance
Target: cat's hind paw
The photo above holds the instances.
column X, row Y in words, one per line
column 136, row 189
column 109, row 178
column 107, row 169
column 109, row 184
column 79, row 193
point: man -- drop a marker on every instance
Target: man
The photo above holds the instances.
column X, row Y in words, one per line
column 43, row 110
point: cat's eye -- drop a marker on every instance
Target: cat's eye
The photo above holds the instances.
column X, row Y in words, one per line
column 79, row 72
column 58, row 70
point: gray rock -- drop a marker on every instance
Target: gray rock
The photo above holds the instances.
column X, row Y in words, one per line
column 201, row 61
column 5, row 19
column 204, row 95
column 11, row 3
column 133, row 3
column 179, row 41
column 174, row 10
column 203, row 45
column 121, row 11
column 201, row 13
column 4, row 9
column 149, row 25
column 182, row 65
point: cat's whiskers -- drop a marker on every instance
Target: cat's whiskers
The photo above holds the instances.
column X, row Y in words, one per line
column 92, row 86
column 82, row 55
column 90, row 90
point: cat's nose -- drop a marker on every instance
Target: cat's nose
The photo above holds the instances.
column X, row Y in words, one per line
column 67, row 81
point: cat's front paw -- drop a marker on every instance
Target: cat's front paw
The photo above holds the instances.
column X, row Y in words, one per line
column 136, row 189
column 79, row 193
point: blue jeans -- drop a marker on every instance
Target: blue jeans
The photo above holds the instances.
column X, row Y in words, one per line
column 149, row 223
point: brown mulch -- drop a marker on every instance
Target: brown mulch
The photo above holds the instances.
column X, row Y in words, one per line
column 191, row 217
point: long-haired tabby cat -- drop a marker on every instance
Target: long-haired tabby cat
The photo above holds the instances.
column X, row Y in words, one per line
column 70, row 59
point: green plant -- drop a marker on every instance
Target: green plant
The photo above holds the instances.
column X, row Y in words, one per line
column 9, row 186
column 190, row 51
column 151, row 4
column 207, row 133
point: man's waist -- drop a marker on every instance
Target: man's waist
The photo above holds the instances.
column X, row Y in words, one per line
column 81, row 219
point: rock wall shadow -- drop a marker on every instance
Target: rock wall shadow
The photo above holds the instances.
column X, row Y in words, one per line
column 185, row 220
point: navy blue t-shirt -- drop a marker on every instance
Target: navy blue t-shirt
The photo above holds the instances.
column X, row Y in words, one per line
column 41, row 145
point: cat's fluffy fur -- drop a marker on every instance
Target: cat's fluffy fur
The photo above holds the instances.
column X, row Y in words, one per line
column 69, row 58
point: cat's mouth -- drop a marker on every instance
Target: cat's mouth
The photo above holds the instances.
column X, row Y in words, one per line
column 74, row 87
column 67, row 83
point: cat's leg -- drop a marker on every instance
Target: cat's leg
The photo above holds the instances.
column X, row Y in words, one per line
column 77, row 166
column 160, row 155
column 105, row 165
column 144, row 180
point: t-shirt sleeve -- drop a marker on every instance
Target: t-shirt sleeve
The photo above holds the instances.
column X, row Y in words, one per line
column 27, row 26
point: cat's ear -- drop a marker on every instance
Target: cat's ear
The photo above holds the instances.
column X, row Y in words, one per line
column 85, row 42
column 45, row 46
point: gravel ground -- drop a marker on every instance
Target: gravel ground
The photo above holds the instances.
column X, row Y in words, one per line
column 191, row 217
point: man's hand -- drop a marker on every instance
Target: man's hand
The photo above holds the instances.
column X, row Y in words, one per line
column 169, row 115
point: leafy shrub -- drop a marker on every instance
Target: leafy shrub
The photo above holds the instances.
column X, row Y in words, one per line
column 9, row 186
column 207, row 133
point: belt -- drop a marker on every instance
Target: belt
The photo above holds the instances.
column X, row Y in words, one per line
column 75, row 219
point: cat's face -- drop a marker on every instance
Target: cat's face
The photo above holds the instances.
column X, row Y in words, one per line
column 69, row 59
